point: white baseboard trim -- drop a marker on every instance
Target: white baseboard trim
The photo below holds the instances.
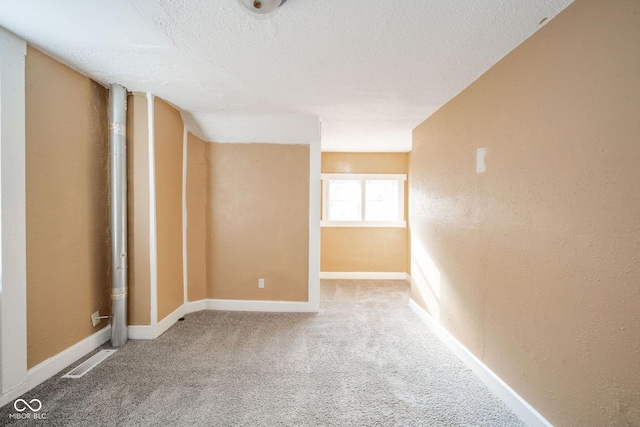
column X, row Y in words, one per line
column 357, row 275
column 50, row 367
column 144, row 332
column 151, row 332
column 512, row 399
column 193, row 306
column 266, row 306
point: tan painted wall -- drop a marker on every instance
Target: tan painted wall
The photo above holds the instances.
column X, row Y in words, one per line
column 67, row 196
column 364, row 162
column 364, row 249
column 197, row 170
column 539, row 257
column 168, row 150
column 258, row 221
column 139, row 304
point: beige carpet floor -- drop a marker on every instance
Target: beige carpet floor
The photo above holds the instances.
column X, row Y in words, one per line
column 364, row 360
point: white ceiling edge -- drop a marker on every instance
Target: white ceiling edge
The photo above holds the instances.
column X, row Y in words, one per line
column 358, row 137
column 301, row 129
column 208, row 58
column 95, row 29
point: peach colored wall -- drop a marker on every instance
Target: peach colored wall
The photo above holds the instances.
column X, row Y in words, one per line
column 139, row 303
column 364, row 249
column 168, row 152
column 258, row 221
column 67, row 212
column 535, row 264
column 364, row 162
column 197, row 170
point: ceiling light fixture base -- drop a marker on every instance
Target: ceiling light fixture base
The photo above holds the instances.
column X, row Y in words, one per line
column 262, row 6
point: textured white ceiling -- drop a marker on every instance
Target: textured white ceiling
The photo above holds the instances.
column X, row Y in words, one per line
column 372, row 70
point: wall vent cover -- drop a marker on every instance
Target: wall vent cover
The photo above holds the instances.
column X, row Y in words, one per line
column 89, row 364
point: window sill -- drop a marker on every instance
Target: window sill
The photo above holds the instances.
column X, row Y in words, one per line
column 372, row 224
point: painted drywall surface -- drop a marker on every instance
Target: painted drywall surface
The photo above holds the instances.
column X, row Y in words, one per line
column 168, row 150
column 351, row 249
column 139, row 304
column 67, row 212
column 535, row 264
column 258, row 221
column 197, row 169
column 364, row 162
column 364, row 249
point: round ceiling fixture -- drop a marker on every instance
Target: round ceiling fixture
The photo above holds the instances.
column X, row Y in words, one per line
column 262, row 6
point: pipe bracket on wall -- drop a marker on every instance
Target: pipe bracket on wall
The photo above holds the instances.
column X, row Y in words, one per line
column 118, row 155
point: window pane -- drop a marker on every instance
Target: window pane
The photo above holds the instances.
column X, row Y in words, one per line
column 381, row 200
column 344, row 200
column 344, row 190
column 344, row 211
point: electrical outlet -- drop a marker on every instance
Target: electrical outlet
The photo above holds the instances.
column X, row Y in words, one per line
column 95, row 318
column 481, row 166
column 261, row 283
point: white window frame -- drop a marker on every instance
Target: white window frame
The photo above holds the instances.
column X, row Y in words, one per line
column 362, row 177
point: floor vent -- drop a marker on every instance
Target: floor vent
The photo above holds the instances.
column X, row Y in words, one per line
column 89, row 364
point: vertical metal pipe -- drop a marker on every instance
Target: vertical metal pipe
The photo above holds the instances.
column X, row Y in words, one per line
column 118, row 155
